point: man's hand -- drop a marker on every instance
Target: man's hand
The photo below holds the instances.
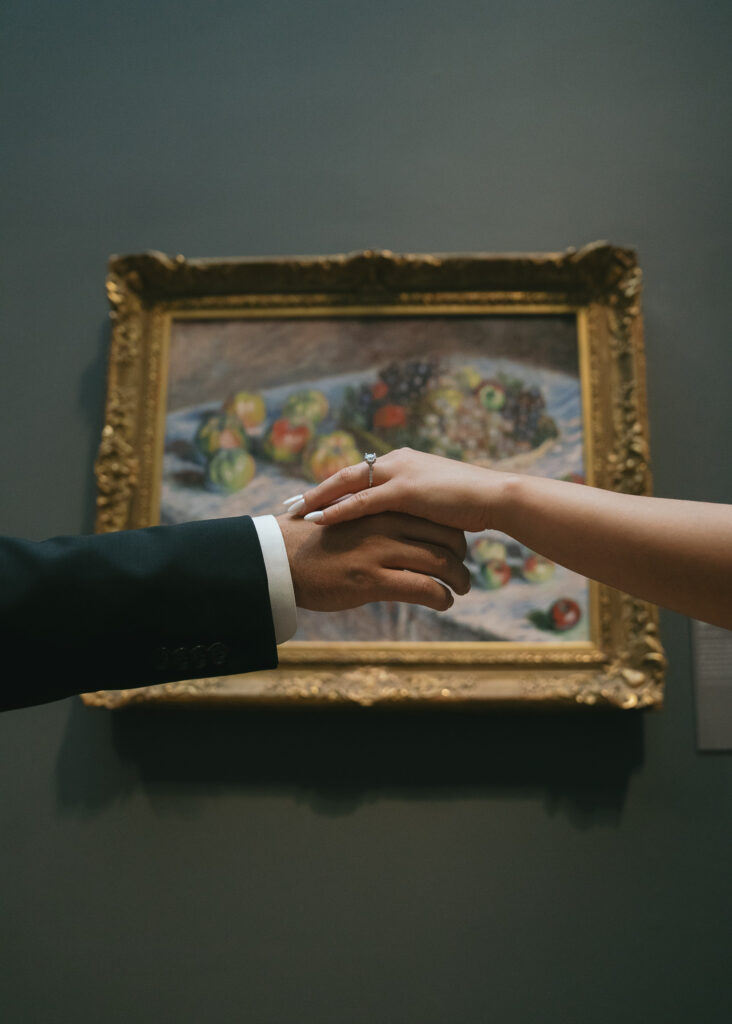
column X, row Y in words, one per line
column 388, row 557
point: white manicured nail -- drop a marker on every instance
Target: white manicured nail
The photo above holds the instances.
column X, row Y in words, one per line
column 314, row 517
column 289, row 501
column 297, row 506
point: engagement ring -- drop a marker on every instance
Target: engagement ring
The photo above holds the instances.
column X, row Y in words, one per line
column 370, row 459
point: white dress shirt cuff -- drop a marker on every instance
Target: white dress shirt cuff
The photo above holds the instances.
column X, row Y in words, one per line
column 279, row 577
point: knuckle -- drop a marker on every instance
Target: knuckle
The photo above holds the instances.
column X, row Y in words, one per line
column 443, row 562
column 361, row 577
column 397, row 455
column 360, row 499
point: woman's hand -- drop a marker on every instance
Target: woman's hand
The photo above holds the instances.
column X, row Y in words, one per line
column 445, row 491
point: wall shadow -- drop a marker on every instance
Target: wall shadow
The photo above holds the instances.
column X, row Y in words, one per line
column 579, row 763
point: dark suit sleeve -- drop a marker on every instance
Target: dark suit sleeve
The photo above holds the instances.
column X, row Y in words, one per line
column 120, row 610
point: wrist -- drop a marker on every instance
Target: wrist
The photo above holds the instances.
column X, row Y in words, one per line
column 505, row 501
column 294, row 532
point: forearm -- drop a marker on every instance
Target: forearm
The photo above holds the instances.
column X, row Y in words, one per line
column 675, row 553
column 132, row 608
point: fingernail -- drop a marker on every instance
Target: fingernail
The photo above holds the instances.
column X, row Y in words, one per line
column 297, row 506
column 289, row 501
column 313, row 517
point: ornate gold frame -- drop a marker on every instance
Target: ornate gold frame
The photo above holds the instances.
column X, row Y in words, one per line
column 623, row 666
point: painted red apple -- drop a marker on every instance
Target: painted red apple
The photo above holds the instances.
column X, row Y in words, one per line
column 286, row 439
column 537, row 569
column 390, row 416
column 495, row 574
column 564, row 614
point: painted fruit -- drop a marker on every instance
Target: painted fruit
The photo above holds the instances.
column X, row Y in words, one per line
column 306, row 406
column 446, row 400
column 219, row 433
column 537, row 569
column 390, row 416
column 229, row 471
column 487, row 550
column 491, row 395
column 564, row 613
column 248, row 407
column 332, row 452
column 468, row 378
column 495, row 574
column 287, row 439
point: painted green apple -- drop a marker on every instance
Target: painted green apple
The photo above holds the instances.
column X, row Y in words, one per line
column 229, row 470
column 487, row 550
column 310, row 406
column 537, row 569
column 495, row 574
column 491, row 396
column 219, row 433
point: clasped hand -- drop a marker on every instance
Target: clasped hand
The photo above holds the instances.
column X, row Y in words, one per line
column 385, row 557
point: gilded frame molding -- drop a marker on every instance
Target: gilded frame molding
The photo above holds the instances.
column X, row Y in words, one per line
column 623, row 666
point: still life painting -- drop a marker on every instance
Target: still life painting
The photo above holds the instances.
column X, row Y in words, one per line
column 255, row 413
column 234, row 384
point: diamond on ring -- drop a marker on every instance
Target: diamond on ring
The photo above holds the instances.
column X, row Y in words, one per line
column 370, row 459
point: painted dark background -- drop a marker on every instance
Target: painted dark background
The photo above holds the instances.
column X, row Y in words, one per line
column 210, row 358
column 181, row 866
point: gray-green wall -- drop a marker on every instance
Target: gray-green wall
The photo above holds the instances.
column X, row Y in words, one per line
column 273, row 868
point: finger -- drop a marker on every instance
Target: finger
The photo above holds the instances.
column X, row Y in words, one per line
column 361, row 503
column 415, row 588
column 415, row 528
column 432, row 560
column 345, row 481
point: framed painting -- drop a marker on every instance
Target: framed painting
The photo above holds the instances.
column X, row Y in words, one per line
column 234, row 384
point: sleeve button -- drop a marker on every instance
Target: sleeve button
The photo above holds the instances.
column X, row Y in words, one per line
column 218, row 653
column 161, row 659
column 180, row 659
column 199, row 657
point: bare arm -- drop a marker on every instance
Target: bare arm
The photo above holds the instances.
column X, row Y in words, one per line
column 675, row 553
